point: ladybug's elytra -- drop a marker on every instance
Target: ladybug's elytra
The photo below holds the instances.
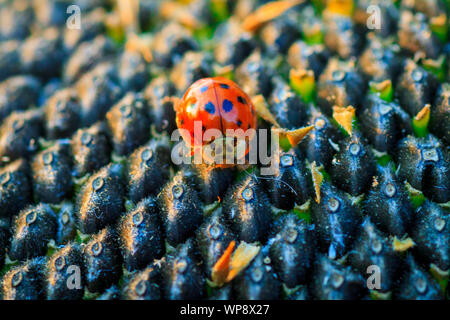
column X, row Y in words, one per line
column 218, row 103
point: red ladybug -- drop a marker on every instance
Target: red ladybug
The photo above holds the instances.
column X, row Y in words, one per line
column 218, row 103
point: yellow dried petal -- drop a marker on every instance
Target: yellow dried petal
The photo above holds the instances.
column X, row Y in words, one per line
column 141, row 45
column 128, row 13
column 297, row 75
column 221, row 269
column 262, row 110
column 317, row 180
column 383, row 85
column 242, row 257
column 402, row 245
column 267, row 12
column 424, row 113
column 294, row 136
column 344, row 116
column 341, row 7
column 297, row 135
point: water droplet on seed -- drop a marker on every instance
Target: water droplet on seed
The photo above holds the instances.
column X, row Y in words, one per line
column 60, row 262
column 96, row 248
column 286, row 160
column 215, row 231
column 390, row 190
column 257, row 274
column 16, row 279
column 177, row 191
column 98, row 183
column 247, row 194
column 333, row 204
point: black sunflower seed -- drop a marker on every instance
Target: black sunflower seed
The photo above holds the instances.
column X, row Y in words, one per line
column 353, row 166
column 133, row 71
column 192, row 67
column 128, row 124
column 16, row 21
column 292, row 249
column 247, row 207
column 424, row 162
column 431, row 234
column 64, row 274
column 15, row 188
column 67, row 224
column 384, row 123
column 212, row 182
column 19, row 134
column 93, row 25
column 415, row 35
column 340, row 85
column 183, row 276
column 334, row 281
column 18, row 93
column 279, row 34
column 440, row 114
column 98, row 90
column 379, row 61
column 171, row 43
column 90, row 149
column 289, row 110
column 388, row 205
column 290, row 184
column 342, row 37
column 52, row 173
column 148, row 170
column 51, row 13
column 181, row 209
column 320, row 144
column 140, row 235
column 62, row 114
column 213, row 238
column 25, row 282
column 336, row 221
column 100, row 202
column 233, row 45
column 303, row 56
column 371, row 248
column 158, row 95
column 255, row 76
column 9, row 59
column 416, row 283
column 258, row 281
column 144, row 285
column 42, row 54
column 33, row 228
column 86, row 56
column 415, row 88
column 102, row 261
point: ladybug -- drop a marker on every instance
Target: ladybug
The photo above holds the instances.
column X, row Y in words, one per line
column 217, row 103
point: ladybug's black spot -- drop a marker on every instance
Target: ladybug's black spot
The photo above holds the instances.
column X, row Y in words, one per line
column 203, row 89
column 241, row 100
column 227, row 105
column 210, row 108
column 182, row 121
column 249, row 126
column 239, row 123
column 224, row 86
